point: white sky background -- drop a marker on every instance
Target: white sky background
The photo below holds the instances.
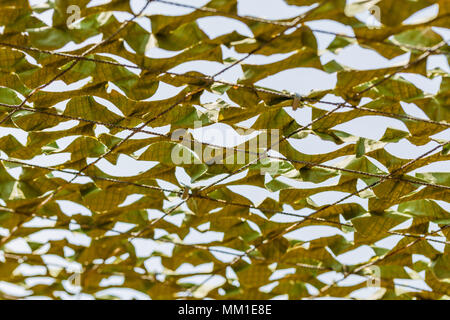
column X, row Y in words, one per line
column 300, row 80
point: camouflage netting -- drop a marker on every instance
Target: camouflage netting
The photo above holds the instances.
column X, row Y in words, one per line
column 56, row 143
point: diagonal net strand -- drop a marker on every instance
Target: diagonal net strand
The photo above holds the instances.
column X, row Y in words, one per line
column 236, row 149
column 74, row 63
column 33, row 92
column 294, row 226
column 286, row 23
column 375, row 261
column 418, row 60
column 356, row 271
column 180, row 193
column 295, row 22
column 247, row 248
column 208, row 79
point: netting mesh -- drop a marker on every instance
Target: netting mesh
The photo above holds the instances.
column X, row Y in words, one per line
column 80, row 102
